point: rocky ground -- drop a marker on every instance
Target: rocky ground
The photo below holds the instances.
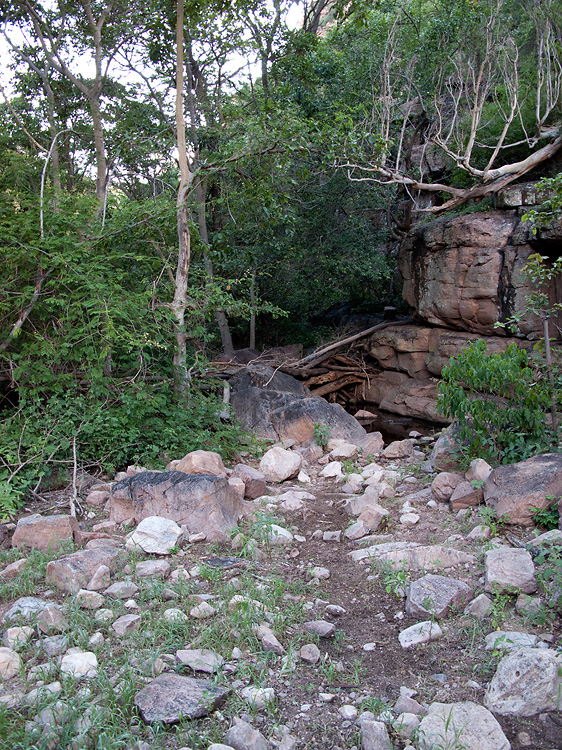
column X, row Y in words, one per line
column 356, row 608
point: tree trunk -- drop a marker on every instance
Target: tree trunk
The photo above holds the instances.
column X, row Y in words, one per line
column 220, row 316
column 253, row 312
column 550, row 371
column 99, row 141
column 180, row 301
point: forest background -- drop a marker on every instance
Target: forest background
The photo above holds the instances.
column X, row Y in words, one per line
column 218, row 180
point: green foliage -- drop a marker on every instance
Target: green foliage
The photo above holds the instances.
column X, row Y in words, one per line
column 548, row 517
column 321, row 434
column 550, row 209
column 499, row 402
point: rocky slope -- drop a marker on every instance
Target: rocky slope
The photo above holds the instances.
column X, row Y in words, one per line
column 360, row 602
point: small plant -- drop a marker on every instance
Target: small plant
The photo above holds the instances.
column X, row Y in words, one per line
column 492, row 520
column 394, row 580
column 548, row 517
column 321, row 434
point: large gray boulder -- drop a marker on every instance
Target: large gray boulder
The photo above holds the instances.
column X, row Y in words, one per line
column 276, row 406
column 512, row 491
column 202, row 502
column 436, row 595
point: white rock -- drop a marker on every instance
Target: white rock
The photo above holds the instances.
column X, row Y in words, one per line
column 126, row 624
column 461, row 725
column 406, row 724
column 506, row 640
column 200, row 659
column 421, row 632
column 279, row 464
column 16, row 638
column 310, row 653
column 10, row 663
column 508, row 568
column 258, row 698
column 155, row 535
column 527, row 682
column 348, row 712
column 332, row 470
column 409, row 519
column 174, row 615
column 78, row 665
column 332, row 536
column 303, row 477
column 202, row 611
column 399, row 449
column 277, row 535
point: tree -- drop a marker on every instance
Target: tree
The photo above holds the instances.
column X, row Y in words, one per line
column 474, row 86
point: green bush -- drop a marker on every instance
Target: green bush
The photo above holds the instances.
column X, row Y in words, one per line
column 139, row 423
column 500, row 403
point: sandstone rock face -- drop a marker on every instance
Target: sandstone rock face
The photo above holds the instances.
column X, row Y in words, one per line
column 508, row 569
column 46, row 532
column 435, row 595
column 202, row 462
column 465, row 272
column 277, row 406
column 202, row 502
column 278, row 464
column 527, row 682
column 414, row 398
column 461, row 725
column 73, row 572
column 513, row 490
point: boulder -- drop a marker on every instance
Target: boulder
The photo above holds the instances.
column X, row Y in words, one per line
column 296, row 420
column 242, row 736
column 374, row 736
column 399, row 449
column 421, row 632
column 278, row 464
column 201, row 502
column 445, row 453
column 512, row 491
column 436, row 595
column 509, row 569
column 276, row 406
column 465, row 495
column 527, row 682
column 73, row 572
column 460, row 725
column 254, row 481
column 412, row 556
column 444, row 485
column 46, row 532
column 155, row 535
column 202, row 462
column 170, row 698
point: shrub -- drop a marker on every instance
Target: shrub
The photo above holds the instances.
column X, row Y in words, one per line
column 500, row 403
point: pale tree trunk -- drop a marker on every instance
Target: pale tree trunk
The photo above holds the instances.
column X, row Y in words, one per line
column 220, row 316
column 180, row 300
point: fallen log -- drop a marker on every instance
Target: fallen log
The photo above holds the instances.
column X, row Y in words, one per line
column 337, row 385
column 322, row 354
